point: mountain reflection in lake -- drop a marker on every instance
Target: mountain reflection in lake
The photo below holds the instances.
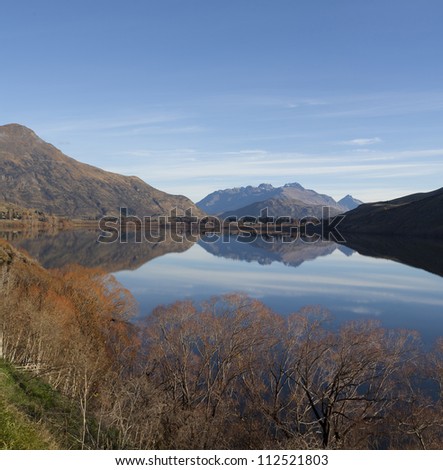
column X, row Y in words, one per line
column 285, row 276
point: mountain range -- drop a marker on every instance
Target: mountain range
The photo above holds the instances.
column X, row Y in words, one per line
column 291, row 200
column 35, row 174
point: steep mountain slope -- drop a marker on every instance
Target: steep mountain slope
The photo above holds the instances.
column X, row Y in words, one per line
column 418, row 214
column 35, row 174
column 292, row 199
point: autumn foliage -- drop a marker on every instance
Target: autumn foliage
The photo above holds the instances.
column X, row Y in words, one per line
column 228, row 373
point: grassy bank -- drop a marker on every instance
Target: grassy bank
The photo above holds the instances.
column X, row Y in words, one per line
column 33, row 415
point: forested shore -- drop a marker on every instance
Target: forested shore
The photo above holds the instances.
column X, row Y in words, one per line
column 226, row 374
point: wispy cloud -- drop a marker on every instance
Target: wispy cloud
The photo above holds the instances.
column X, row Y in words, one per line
column 305, row 103
column 156, row 130
column 195, row 173
column 207, row 143
column 362, row 142
column 108, row 124
column 381, row 105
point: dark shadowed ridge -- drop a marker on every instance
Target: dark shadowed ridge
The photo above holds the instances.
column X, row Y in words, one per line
column 36, row 174
column 418, row 215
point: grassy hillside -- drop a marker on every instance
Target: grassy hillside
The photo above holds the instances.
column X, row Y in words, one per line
column 19, row 429
column 33, row 415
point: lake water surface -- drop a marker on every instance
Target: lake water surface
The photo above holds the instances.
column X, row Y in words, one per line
column 405, row 293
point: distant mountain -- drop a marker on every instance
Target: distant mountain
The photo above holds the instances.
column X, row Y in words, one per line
column 419, row 215
column 233, row 198
column 35, row 174
column 282, row 207
column 349, row 202
column 291, row 200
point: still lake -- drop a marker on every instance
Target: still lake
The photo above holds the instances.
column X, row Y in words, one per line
column 398, row 282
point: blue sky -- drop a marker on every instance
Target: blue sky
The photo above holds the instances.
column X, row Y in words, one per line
column 342, row 96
